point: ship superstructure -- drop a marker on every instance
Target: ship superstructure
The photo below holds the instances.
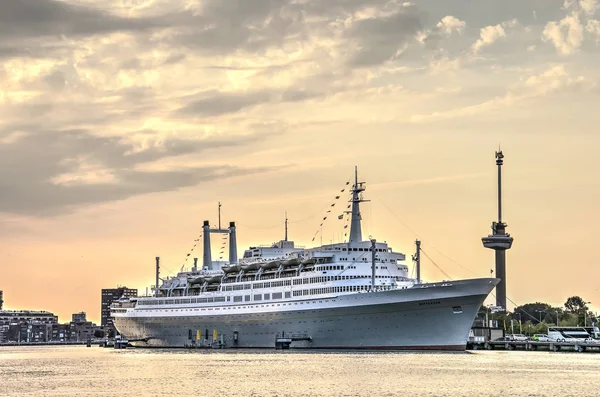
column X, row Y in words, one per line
column 356, row 294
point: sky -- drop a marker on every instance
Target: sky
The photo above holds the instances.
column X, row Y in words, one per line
column 124, row 122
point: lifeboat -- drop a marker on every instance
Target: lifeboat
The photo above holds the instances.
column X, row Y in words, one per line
column 309, row 261
column 251, row 266
column 197, row 280
column 291, row 262
column 231, row 269
column 214, row 279
column 270, row 265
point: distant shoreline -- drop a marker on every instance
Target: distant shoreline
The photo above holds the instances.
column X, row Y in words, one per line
column 82, row 343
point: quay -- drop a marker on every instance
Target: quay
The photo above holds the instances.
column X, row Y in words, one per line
column 531, row 345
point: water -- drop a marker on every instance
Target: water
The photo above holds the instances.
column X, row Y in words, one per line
column 81, row 371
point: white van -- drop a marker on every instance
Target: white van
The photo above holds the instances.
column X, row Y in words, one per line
column 516, row 337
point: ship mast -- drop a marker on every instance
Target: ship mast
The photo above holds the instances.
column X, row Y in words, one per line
column 219, row 215
column 355, row 225
column 417, row 258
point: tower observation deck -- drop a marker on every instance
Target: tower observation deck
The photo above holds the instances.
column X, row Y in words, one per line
column 499, row 240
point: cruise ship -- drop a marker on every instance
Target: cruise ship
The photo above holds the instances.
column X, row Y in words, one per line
column 351, row 295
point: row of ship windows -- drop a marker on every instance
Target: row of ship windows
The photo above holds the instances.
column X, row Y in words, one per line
column 331, row 290
column 367, row 260
column 362, row 249
column 244, row 307
column 264, row 297
column 239, row 298
column 299, row 281
column 271, row 284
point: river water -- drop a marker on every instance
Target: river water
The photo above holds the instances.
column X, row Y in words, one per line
column 81, row 371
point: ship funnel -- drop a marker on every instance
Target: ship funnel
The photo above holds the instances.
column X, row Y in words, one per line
column 206, row 256
column 232, row 244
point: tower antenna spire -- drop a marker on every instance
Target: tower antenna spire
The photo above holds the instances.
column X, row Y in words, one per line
column 499, row 163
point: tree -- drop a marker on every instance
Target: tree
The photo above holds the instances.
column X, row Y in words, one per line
column 535, row 312
column 576, row 305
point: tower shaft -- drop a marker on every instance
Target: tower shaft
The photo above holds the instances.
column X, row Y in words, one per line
column 501, row 274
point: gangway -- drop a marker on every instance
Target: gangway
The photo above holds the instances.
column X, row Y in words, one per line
column 283, row 340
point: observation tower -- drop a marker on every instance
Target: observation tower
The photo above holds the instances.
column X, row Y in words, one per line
column 499, row 240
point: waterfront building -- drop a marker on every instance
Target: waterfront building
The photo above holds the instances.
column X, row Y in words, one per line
column 61, row 332
column 109, row 295
column 26, row 326
column 80, row 328
column 78, row 317
column 485, row 330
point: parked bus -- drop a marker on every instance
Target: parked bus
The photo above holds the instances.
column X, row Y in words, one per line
column 573, row 334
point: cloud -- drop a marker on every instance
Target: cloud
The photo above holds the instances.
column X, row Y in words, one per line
column 450, row 24
column 42, row 18
column 222, row 27
column 587, row 7
column 128, row 92
column 379, row 39
column 446, row 27
column 490, row 34
column 215, row 103
column 566, row 35
column 553, row 80
column 593, row 27
column 24, row 23
column 50, row 171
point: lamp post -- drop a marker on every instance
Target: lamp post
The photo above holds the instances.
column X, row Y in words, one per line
column 520, row 326
column 540, row 312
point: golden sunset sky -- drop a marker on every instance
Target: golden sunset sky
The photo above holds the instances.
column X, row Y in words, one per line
column 124, row 122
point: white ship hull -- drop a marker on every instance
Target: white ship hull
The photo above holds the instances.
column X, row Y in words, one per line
column 427, row 316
